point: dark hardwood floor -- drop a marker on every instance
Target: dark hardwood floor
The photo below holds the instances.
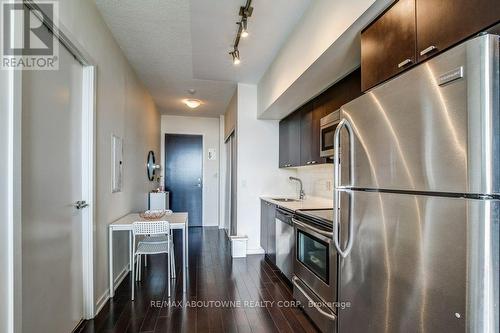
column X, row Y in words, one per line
column 258, row 293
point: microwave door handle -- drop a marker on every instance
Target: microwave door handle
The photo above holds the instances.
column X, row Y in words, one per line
column 337, row 187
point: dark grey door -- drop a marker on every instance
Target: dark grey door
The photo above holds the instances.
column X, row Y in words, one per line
column 183, row 174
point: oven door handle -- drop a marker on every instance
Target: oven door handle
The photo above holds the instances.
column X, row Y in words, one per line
column 311, row 301
column 337, row 179
column 319, row 231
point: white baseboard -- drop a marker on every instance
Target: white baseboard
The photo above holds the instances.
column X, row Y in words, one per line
column 105, row 296
column 257, row 250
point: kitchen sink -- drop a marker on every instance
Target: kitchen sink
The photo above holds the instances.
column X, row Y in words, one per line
column 285, row 199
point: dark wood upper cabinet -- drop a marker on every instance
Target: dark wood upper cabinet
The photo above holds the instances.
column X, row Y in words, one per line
column 338, row 94
column 283, row 144
column 300, row 132
column 411, row 31
column 443, row 23
column 289, row 141
column 309, row 140
column 388, row 44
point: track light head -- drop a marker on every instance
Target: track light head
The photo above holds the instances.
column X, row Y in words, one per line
column 236, row 56
column 245, row 12
column 244, row 30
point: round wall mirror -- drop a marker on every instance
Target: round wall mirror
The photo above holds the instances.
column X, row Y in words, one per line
column 151, row 165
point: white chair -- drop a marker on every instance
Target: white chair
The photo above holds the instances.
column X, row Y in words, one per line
column 151, row 229
column 155, row 239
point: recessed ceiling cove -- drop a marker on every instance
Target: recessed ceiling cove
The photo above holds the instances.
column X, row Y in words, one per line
column 178, row 45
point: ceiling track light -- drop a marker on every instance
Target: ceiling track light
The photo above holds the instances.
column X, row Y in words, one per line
column 236, row 56
column 244, row 30
column 245, row 12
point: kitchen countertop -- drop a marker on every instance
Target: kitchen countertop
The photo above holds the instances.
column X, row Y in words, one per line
column 309, row 202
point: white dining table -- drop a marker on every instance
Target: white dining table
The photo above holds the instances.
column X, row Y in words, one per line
column 176, row 220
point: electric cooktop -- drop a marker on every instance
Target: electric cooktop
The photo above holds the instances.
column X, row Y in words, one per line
column 322, row 217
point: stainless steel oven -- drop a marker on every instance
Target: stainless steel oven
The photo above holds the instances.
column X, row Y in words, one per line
column 315, row 272
column 328, row 124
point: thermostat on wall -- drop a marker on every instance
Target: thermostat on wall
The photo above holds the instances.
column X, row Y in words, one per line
column 211, row 154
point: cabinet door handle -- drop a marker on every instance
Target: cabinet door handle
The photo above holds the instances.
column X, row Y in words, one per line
column 428, row 50
column 404, row 63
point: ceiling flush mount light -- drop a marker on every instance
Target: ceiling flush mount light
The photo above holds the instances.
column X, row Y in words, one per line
column 192, row 103
column 245, row 12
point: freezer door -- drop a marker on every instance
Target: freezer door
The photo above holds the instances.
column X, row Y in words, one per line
column 435, row 128
column 418, row 264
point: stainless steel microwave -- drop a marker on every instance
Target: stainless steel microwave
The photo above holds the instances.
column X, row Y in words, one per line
column 328, row 124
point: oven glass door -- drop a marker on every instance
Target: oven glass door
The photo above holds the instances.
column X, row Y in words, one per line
column 327, row 134
column 314, row 254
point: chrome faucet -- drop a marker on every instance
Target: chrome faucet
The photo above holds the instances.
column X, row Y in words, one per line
column 302, row 194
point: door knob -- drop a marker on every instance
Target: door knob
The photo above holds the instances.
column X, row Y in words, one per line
column 81, row 204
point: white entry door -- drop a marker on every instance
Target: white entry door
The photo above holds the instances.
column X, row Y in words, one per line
column 51, row 184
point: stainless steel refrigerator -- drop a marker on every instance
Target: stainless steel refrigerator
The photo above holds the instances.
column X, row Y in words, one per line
column 417, row 188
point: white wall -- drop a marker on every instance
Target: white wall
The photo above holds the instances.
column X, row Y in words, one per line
column 222, row 172
column 317, row 180
column 230, row 117
column 209, row 128
column 321, row 49
column 124, row 108
column 257, row 170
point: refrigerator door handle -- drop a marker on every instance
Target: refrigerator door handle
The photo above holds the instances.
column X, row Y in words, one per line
column 337, row 186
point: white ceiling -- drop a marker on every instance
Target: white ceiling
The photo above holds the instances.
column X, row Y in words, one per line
column 177, row 45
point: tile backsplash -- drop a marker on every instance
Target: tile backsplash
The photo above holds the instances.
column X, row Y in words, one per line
column 317, row 179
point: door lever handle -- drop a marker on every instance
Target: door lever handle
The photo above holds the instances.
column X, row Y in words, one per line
column 81, row 204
